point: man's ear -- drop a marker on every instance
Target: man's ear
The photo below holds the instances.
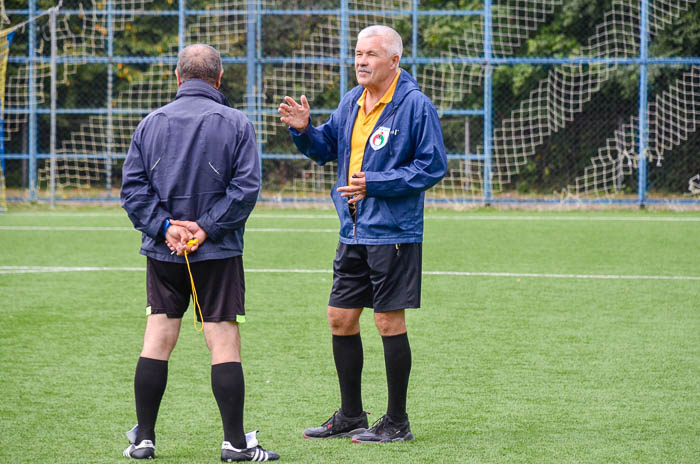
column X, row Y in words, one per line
column 177, row 75
column 218, row 81
column 395, row 61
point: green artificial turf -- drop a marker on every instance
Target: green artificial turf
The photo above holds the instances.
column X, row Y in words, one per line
column 506, row 368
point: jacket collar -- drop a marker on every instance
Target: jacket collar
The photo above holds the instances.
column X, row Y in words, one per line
column 199, row 88
column 406, row 85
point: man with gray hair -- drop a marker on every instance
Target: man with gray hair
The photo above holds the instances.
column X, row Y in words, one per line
column 386, row 137
column 194, row 160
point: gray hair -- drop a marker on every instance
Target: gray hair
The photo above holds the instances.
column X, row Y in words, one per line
column 199, row 61
column 393, row 45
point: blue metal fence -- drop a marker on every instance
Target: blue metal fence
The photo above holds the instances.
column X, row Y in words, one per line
column 254, row 62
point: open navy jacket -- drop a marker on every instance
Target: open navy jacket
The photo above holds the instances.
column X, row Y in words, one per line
column 404, row 156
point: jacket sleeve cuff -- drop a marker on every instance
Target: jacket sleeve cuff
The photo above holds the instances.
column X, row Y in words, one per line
column 156, row 229
column 371, row 185
column 164, row 229
column 213, row 232
column 296, row 133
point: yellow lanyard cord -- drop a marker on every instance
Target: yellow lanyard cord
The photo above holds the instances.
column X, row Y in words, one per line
column 194, row 293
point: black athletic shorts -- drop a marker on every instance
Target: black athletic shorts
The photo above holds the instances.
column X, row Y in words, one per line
column 383, row 277
column 219, row 283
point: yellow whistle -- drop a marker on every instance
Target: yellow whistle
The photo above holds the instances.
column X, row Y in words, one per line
column 192, row 242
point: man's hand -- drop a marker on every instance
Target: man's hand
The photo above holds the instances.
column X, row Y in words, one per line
column 295, row 115
column 194, row 229
column 176, row 238
column 357, row 189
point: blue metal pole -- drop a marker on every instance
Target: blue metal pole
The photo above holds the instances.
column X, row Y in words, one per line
column 488, row 100
column 643, row 115
column 414, row 37
column 252, row 65
column 33, row 123
column 259, row 83
column 343, row 47
column 110, row 87
column 250, row 59
column 2, row 119
column 181, row 23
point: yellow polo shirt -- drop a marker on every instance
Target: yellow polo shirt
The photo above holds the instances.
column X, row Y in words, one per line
column 364, row 123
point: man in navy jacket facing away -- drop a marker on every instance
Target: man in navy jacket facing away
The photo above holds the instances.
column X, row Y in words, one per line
column 194, row 160
column 386, row 137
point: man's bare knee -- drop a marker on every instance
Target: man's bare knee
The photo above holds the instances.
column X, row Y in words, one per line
column 224, row 341
column 390, row 323
column 344, row 321
column 160, row 337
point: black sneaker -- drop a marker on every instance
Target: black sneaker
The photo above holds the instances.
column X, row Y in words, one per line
column 144, row 450
column 339, row 426
column 384, row 431
column 254, row 452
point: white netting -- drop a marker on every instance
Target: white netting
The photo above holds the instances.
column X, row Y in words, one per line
column 77, row 35
column 672, row 116
column 295, row 79
column 147, row 90
column 226, row 33
column 313, row 183
column 3, row 194
column 82, row 35
column 513, row 21
column 568, row 88
column 694, row 185
column 550, row 107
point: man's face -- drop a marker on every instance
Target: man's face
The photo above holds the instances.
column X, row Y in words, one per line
column 372, row 65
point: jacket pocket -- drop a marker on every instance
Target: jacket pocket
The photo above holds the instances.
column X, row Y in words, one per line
column 341, row 207
column 213, row 171
column 402, row 212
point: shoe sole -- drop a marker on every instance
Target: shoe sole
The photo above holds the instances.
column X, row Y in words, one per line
column 338, row 435
column 408, row 437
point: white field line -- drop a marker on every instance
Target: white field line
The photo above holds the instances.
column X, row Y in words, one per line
column 55, row 214
column 469, row 217
column 67, row 228
column 428, row 217
column 259, row 229
column 41, row 269
column 129, row 229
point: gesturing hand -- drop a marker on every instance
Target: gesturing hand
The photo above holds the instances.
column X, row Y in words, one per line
column 295, row 115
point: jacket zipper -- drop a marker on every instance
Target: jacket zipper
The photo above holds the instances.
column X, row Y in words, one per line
column 349, row 133
column 391, row 113
column 362, row 168
column 348, row 136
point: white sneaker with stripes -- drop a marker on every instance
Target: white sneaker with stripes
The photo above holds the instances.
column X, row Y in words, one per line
column 144, row 450
column 254, row 452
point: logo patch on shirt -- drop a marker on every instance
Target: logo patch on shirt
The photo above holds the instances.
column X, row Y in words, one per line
column 379, row 138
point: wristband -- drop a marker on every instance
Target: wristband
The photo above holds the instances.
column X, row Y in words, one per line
column 166, row 224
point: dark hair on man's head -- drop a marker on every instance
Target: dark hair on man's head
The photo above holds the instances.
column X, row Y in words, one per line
column 199, row 61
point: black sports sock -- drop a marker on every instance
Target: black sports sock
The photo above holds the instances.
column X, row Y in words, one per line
column 149, row 385
column 229, row 390
column 348, row 355
column 397, row 358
